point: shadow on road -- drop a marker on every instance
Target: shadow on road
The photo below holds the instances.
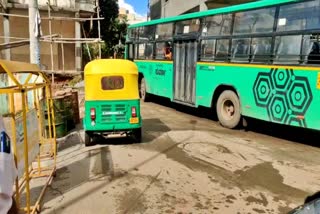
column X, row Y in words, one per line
column 98, row 161
column 149, row 127
column 295, row 134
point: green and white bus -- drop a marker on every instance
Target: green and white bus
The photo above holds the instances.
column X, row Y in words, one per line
column 258, row 60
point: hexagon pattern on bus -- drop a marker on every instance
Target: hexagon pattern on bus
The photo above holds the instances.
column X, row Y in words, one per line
column 300, row 96
column 285, row 96
column 263, row 89
column 282, row 78
column 277, row 109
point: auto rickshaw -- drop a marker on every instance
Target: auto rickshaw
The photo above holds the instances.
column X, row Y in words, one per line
column 112, row 103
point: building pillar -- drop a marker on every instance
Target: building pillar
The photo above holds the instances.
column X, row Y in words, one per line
column 163, row 8
column 6, row 34
column 78, row 49
column 34, row 39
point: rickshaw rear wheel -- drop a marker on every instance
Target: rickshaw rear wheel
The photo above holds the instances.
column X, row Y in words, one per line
column 143, row 91
column 137, row 135
column 87, row 139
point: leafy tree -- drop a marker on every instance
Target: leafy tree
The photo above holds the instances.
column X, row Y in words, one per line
column 112, row 30
column 119, row 32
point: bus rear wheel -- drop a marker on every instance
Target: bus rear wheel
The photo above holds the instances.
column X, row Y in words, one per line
column 228, row 109
column 143, row 91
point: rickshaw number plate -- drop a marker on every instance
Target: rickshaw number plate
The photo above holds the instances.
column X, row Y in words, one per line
column 112, row 113
column 134, row 120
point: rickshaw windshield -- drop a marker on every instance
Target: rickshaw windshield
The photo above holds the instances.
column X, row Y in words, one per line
column 111, row 80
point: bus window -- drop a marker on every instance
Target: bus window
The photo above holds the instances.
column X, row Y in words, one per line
column 133, row 34
column 260, row 50
column 314, row 54
column 141, row 51
column 255, row 21
column 311, row 49
column 140, row 34
column 168, row 50
column 240, row 50
column 147, row 33
column 307, row 18
column 148, row 52
column 129, row 35
column 222, row 48
column 287, row 49
column 145, row 51
column 207, row 50
column 164, row 31
column 160, row 46
column 217, row 25
column 163, row 50
column 187, row 26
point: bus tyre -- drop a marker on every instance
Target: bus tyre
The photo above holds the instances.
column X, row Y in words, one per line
column 87, row 139
column 143, row 91
column 137, row 135
column 228, row 109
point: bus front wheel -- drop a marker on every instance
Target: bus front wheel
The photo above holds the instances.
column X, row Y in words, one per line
column 228, row 109
column 143, row 91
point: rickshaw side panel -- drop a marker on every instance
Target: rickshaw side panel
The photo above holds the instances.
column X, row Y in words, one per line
column 112, row 116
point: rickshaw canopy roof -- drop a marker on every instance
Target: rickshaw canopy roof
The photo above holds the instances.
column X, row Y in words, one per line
column 101, row 77
column 110, row 66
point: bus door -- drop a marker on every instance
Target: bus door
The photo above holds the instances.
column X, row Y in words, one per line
column 185, row 55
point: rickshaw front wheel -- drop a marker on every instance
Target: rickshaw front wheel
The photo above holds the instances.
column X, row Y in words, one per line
column 87, row 139
column 137, row 135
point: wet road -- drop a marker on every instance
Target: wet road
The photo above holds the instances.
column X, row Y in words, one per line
column 186, row 164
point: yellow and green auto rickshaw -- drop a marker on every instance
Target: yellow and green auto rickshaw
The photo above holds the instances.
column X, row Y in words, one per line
column 112, row 104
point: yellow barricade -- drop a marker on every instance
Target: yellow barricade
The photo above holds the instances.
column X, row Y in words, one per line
column 25, row 94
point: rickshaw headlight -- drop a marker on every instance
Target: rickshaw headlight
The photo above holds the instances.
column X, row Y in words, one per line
column 133, row 111
column 93, row 113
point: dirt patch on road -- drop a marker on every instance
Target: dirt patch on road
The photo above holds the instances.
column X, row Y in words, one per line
column 263, row 200
column 266, row 176
column 132, row 201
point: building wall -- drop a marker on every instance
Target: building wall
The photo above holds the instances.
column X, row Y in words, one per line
column 66, row 8
column 154, row 9
column 167, row 8
column 67, row 30
column 174, row 7
column 131, row 18
column 19, row 28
